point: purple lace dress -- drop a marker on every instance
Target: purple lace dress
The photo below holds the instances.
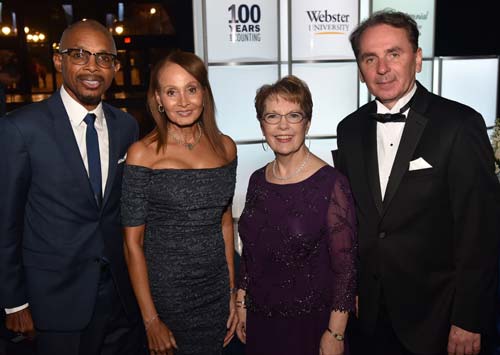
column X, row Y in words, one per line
column 298, row 261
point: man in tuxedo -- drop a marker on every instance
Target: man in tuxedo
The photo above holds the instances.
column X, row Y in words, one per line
column 62, row 268
column 421, row 170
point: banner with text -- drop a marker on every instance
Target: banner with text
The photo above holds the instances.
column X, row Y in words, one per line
column 321, row 28
column 242, row 31
column 422, row 11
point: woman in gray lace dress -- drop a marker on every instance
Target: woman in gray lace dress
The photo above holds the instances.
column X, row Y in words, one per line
column 177, row 188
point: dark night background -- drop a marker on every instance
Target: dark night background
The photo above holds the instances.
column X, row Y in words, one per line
column 467, row 28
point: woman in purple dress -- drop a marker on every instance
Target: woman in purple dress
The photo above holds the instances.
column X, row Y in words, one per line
column 297, row 274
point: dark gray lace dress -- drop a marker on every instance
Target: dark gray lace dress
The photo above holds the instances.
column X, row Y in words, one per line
column 184, row 248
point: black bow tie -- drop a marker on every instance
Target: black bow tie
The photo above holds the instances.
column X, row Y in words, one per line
column 393, row 117
column 389, row 117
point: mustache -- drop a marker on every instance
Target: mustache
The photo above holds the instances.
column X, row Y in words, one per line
column 90, row 77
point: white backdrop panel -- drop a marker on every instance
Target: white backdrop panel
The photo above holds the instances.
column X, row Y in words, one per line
column 425, row 76
column 242, row 31
column 473, row 82
column 323, row 148
column 250, row 158
column 321, row 28
column 422, row 12
column 198, row 28
column 284, row 30
column 234, row 90
column 334, row 90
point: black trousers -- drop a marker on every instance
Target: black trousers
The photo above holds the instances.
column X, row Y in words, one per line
column 108, row 333
column 384, row 341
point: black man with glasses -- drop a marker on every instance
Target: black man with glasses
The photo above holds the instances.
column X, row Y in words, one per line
column 63, row 277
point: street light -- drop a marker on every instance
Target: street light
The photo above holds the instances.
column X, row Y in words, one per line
column 6, row 30
column 119, row 29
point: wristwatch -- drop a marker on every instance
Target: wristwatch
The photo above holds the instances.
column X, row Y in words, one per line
column 337, row 336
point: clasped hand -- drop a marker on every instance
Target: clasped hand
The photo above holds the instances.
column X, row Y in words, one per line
column 463, row 342
column 21, row 322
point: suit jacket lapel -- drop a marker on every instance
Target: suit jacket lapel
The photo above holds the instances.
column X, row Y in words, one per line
column 65, row 138
column 369, row 136
column 114, row 144
column 414, row 127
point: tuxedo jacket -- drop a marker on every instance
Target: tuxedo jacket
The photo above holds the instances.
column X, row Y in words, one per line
column 428, row 249
column 53, row 235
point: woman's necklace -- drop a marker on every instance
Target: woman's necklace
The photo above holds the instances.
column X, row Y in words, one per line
column 295, row 173
column 189, row 146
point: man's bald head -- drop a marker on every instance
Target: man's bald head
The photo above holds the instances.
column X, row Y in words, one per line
column 79, row 59
column 86, row 25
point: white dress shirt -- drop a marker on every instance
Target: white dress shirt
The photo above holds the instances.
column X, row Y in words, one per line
column 76, row 113
column 388, row 138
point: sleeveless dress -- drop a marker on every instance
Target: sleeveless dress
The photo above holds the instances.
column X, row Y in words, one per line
column 184, row 248
column 298, row 261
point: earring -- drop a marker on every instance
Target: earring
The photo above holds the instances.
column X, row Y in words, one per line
column 161, row 109
column 263, row 146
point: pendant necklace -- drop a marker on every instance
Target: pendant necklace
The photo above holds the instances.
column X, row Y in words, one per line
column 295, row 173
column 189, row 146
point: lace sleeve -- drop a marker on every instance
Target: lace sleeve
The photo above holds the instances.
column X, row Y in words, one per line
column 242, row 274
column 342, row 243
column 250, row 200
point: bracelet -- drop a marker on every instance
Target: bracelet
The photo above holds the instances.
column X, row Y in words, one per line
column 233, row 290
column 336, row 336
column 241, row 304
column 148, row 323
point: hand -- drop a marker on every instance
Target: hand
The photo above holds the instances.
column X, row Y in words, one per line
column 232, row 320
column 241, row 328
column 161, row 340
column 463, row 342
column 330, row 346
column 21, row 322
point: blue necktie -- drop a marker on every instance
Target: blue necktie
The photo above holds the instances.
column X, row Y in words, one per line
column 93, row 157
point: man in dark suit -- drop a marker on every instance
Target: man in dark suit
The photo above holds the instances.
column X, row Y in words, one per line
column 62, row 268
column 422, row 176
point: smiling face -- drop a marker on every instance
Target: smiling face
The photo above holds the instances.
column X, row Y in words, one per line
column 284, row 138
column 88, row 82
column 180, row 94
column 387, row 63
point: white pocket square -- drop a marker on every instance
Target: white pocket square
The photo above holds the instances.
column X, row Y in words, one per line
column 419, row 164
column 122, row 159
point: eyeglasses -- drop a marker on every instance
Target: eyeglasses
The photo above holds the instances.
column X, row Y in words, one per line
column 81, row 56
column 291, row 117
